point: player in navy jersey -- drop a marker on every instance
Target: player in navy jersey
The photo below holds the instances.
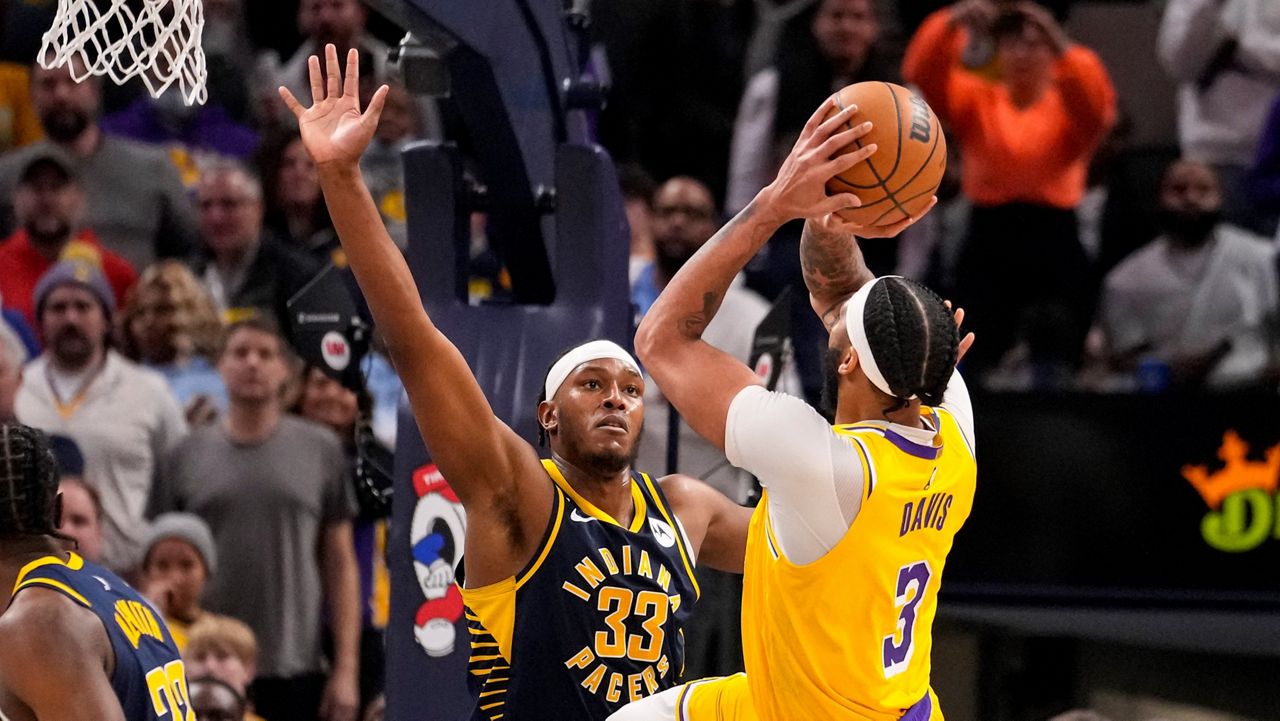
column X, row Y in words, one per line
column 76, row 642
column 578, row 571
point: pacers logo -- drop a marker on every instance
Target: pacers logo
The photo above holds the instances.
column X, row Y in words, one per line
column 627, row 657
column 1244, row 509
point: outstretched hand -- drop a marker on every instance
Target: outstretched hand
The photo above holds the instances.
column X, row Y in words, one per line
column 800, row 188
column 333, row 129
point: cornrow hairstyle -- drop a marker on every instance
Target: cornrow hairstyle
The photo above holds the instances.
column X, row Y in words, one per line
column 28, row 483
column 914, row 339
column 543, row 437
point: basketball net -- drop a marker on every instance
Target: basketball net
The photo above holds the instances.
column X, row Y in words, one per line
column 156, row 40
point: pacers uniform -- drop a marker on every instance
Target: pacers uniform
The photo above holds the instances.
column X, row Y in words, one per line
column 594, row 621
column 149, row 678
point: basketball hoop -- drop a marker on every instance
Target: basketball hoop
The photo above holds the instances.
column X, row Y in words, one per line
column 156, row 40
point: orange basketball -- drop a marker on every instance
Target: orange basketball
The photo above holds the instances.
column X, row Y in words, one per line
column 899, row 180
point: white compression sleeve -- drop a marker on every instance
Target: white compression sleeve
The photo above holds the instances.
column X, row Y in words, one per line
column 814, row 476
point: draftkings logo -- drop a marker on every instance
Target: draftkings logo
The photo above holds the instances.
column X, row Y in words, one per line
column 1244, row 509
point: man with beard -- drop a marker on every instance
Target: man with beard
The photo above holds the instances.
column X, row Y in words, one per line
column 133, row 194
column 578, row 570
column 276, row 494
column 49, row 206
column 122, row 416
column 1200, row 299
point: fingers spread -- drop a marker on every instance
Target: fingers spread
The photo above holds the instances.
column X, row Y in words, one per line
column 815, row 120
column 843, row 139
column 834, row 123
column 374, row 111
column 317, row 80
column 842, row 163
column 351, row 86
column 332, row 71
column 291, row 102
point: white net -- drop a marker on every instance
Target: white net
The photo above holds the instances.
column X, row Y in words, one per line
column 156, row 40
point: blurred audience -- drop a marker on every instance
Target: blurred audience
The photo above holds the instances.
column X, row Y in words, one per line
column 321, row 22
column 294, row 210
column 327, row 402
column 1026, row 139
column 81, row 505
column 224, row 648
column 1264, row 177
column 215, row 700
column 169, row 325
column 19, row 125
column 82, row 516
column 638, row 188
column 135, row 200
column 178, row 559
column 191, row 135
column 401, row 123
column 242, row 265
column 830, row 47
column 276, row 493
column 12, row 356
column 122, row 416
column 1196, row 306
column 48, row 204
column 1226, row 60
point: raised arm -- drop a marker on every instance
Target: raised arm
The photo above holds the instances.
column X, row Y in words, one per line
column 833, row 266
column 698, row 379
column 482, row 458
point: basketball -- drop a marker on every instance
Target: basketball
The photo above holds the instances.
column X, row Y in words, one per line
column 899, row 180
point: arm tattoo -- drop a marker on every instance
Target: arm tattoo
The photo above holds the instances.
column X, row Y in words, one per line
column 832, row 263
column 694, row 324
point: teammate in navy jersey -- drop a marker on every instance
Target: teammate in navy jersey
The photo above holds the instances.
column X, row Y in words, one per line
column 578, row 570
column 76, row 642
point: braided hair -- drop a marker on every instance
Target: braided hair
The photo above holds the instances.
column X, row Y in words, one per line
column 28, row 483
column 914, row 339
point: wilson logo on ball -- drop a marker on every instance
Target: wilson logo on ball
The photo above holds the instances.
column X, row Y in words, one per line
column 920, row 123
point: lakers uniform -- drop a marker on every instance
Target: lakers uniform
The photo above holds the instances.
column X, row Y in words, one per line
column 594, row 621
column 149, row 678
column 849, row 636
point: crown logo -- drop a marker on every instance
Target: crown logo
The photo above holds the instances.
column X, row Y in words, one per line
column 1238, row 472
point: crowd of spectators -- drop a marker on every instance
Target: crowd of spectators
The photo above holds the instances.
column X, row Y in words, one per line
column 149, row 250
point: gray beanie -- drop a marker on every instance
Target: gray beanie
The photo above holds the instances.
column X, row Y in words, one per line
column 75, row 272
column 186, row 527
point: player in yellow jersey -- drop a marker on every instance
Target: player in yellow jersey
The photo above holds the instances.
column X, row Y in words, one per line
column 847, row 547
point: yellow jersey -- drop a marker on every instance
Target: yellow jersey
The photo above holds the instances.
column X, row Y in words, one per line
column 849, row 636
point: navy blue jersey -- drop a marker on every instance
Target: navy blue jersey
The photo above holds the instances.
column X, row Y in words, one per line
column 594, row 622
column 149, row 677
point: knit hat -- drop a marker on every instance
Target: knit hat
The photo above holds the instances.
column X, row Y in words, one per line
column 185, row 527
column 79, row 272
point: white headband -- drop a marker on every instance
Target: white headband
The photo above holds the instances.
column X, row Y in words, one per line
column 855, row 311
column 592, row 350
